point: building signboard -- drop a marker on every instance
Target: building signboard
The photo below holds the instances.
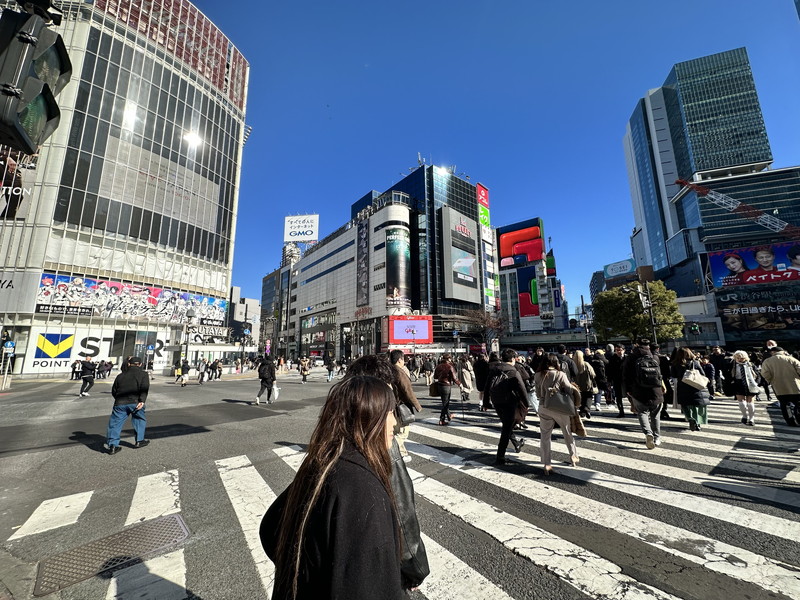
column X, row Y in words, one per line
column 398, row 267
column 754, row 313
column 362, row 263
column 619, row 269
column 411, row 330
column 460, row 257
column 81, row 296
column 301, row 228
column 772, row 263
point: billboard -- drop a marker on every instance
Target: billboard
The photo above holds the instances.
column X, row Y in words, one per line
column 460, row 269
column 620, row 269
column 301, row 228
column 16, row 189
column 79, row 296
column 755, row 313
column 521, row 244
column 771, row 263
column 398, row 267
column 411, row 330
column 362, row 263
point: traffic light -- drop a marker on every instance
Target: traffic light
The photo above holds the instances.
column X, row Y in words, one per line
column 34, row 68
column 695, row 329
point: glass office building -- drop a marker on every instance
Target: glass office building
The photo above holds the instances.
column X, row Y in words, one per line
column 704, row 122
column 126, row 227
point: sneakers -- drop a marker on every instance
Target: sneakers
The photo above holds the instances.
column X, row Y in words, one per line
column 258, row 400
column 141, row 443
column 407, row 458
column 113, row 449
column 750, row 424
column 657, row 442
column 650, row 441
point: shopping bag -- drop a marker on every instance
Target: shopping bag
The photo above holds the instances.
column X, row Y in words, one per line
column 276, row 391
column 694, row 378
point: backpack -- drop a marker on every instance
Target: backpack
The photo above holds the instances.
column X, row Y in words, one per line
column 497, row 385
column 647, row 372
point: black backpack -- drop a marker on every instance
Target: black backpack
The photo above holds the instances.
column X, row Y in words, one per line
column 497, row 385
column 648, row 372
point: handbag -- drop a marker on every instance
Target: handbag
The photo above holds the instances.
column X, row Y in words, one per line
column 559, row 401
column 694, row 378
column 405, row 416
column 433, row 390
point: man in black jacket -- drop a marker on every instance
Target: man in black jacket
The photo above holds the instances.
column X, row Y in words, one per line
column 88, row 371
column 130, row 393
column 567, row 364
column 507, row 390
column 644, row 386
column 614, row 372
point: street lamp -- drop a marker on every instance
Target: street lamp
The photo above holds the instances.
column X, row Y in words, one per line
column 647, row 304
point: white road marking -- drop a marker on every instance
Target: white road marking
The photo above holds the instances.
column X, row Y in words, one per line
column 155, row 496
column 584, row 570
column 707, row 552
column 160, row 578
column 55, row 513
column 741, row 517
column 251, row 497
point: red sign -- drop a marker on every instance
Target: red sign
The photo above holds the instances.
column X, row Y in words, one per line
column 483, row 195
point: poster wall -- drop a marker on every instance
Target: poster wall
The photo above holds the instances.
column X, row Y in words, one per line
column 772, row 263
column 80, row 296
column 398, row 267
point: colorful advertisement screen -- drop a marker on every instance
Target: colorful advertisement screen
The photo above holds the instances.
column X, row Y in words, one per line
column 398, row 267
column 411, row 330
column 772, row 263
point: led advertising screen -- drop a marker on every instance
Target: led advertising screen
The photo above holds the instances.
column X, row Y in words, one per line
column 411, row 330
column 756, row 313
column 398, row 267
column 460, row 268
column 771, row 263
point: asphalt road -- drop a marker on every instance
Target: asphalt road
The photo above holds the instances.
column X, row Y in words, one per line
column 709, row 515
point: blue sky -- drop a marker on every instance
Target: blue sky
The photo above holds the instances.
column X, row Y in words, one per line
column 528, row 97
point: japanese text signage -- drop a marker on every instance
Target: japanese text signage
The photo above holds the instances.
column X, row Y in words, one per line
column 301, row 228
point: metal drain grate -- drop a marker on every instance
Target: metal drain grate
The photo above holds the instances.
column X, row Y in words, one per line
column 116, row 551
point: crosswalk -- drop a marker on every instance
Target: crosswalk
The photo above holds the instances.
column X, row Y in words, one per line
column 719, row 507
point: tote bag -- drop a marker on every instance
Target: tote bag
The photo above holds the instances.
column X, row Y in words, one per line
column 694, row 378
column 558, row 401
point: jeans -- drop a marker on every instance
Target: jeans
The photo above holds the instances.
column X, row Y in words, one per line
column 87, row 384
column 649, row 418
column 444, row 394
column 118, row 417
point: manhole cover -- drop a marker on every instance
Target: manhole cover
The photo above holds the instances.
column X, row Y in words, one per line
column 114, row 552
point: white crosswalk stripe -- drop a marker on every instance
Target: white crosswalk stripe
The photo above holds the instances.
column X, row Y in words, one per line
column 745, row 467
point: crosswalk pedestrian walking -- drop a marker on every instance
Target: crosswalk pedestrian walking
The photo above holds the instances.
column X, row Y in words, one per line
column 716, row 509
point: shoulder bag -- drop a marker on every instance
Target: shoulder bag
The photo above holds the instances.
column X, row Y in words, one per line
column 405, row 416
column 559, row 401
column 693, row 377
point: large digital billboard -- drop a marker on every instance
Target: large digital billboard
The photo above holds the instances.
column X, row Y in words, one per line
column 460, row 268
column 771, row 263
column 411, row 330
column 756, row 313
column 521, row 244
column 398, row 267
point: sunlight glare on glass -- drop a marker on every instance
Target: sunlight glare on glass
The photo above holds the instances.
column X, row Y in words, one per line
column 193, row 139
column 129, row 116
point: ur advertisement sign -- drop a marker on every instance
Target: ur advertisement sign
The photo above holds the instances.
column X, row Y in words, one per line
column 460, row 257
column 758, row 312
column 301, row 228
column 772, row 263
column 398, row 267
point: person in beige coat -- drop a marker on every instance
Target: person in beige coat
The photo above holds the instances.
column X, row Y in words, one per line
column 783, row 371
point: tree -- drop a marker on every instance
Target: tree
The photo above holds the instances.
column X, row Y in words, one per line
column 484, row 326
column 620, row 313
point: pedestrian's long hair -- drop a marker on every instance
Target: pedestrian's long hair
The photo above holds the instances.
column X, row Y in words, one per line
column 355, row 412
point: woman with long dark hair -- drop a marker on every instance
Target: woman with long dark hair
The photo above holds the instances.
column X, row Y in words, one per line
column 333, row 532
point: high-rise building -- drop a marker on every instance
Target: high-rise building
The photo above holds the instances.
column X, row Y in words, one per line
column 704, row 122
column 124, row 227
column 404, row 272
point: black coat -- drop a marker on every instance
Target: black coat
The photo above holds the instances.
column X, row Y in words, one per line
column 351, row 544
column 481, row 368
column 687, row 395
column 130, row 386
column 510, row 393
column 645, row 395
